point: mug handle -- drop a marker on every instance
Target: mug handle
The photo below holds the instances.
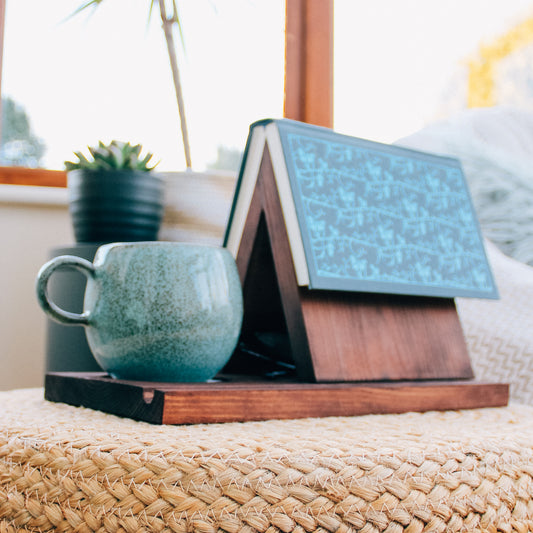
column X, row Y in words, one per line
column 49, row 307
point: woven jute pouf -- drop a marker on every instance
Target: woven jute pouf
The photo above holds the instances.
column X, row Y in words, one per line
column 72, row 469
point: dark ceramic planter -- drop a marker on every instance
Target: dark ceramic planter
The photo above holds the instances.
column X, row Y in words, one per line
column 117, row 206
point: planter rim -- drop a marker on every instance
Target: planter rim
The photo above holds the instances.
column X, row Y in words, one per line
column 117, row 172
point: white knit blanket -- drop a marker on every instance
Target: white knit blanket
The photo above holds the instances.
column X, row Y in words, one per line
column 499, row 333
column 495, row 147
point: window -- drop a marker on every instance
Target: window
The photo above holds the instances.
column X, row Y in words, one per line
column 105, row 74
column 400, row 65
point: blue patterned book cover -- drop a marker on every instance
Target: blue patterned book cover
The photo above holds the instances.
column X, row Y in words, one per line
column 381, row 218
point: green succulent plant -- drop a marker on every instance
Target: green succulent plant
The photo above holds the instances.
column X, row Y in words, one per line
column 116, row 155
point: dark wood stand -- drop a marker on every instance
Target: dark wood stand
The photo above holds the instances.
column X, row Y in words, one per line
column 339, row 336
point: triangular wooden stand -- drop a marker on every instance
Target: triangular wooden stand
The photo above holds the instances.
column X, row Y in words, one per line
column 340, row 336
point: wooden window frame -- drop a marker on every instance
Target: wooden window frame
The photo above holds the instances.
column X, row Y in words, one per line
column 308, row 92
column 309, row 61
column 38, row 177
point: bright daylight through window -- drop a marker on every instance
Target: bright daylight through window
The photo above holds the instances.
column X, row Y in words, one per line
column 105, row 74
column 69, row 81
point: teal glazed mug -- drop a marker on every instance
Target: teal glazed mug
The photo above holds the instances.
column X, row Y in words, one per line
column 155, row 311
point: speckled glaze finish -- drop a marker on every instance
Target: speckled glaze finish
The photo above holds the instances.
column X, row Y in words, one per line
column 161, row 311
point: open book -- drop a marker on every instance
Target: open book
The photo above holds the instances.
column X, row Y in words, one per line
column 365, row 216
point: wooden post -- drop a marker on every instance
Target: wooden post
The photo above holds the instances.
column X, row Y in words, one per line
column 2, row 31
column 309, row 61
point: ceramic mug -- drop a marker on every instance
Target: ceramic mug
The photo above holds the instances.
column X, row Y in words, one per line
column 155, row 311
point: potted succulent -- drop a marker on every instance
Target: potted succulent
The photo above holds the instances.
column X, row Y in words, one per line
column 114, row 195
column 197, row 203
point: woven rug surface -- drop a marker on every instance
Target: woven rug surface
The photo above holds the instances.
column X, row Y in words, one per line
column 64, row 468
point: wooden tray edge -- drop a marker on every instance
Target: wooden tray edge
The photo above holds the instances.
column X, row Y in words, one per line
column 242, row 401
column 88, row 389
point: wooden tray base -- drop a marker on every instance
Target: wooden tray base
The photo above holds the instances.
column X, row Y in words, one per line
column 236, row 399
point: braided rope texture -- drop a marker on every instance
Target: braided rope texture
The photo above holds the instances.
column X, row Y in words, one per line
column 64, row 469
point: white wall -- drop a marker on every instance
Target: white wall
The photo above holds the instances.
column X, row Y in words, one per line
column 32, row 221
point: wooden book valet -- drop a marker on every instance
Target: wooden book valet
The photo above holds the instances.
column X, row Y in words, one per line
column 350, row 255
column 352, row 252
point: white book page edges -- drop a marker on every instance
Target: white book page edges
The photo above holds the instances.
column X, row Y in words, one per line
column 247, row 187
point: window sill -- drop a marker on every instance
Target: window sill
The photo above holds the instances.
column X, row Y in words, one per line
column 33, row 177
column 184, row 192
column 24, row 195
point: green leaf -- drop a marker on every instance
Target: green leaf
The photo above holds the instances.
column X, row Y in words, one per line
column 81, row 157
column 176, row 19
column 69, row 165
column 143, row 165
column 104, row 161
column 136, row 150
column 85, row 6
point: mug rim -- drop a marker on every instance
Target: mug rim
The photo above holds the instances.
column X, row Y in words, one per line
column 104, row 249
column 160, row 243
